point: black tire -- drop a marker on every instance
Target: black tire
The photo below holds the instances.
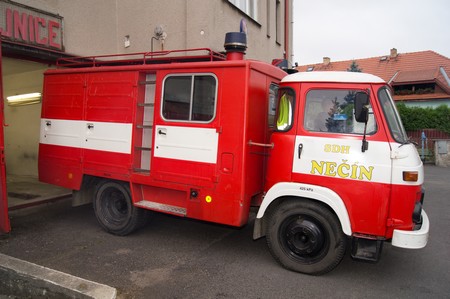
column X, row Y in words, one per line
column 114, row 208
column 305, row 237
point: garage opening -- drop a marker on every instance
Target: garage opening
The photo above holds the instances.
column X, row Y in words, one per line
column 21, row 134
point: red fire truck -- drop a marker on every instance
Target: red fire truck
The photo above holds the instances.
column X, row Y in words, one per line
column 203, row 135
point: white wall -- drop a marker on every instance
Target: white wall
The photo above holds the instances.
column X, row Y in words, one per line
column 99, row 27
column 22, row 130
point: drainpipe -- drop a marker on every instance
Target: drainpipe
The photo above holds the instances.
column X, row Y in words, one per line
column 286, row 29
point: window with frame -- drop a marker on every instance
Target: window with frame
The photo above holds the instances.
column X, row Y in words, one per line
column 249, row 7
column 332, row 111
column 278, row 22
column 189, row 98
column 391, row 115
column 272, row 109
column 285, row 109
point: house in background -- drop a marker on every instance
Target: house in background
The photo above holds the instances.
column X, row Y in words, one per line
column 418, row 79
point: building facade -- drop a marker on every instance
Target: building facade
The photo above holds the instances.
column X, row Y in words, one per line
column 35, row 33
column 419, row 79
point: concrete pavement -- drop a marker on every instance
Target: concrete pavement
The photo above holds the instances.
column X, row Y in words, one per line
column 180, row 258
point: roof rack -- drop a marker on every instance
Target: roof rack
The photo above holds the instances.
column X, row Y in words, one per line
column 159, row 57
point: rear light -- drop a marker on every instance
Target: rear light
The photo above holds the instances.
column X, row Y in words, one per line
column 410, row 176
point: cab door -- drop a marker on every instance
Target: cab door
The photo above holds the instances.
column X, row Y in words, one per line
column 328, row 153
column 4, row 218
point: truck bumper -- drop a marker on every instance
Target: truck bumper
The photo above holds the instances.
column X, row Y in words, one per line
column 415, row 239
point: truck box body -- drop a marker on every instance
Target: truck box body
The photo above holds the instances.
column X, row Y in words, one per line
column 101, row 122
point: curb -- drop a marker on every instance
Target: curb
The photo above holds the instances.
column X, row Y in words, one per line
column 21, row 278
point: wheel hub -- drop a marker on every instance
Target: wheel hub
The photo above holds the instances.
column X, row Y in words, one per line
column 304, row 237
column 116, row 205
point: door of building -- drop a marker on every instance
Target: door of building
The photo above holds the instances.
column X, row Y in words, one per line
column 4, row 218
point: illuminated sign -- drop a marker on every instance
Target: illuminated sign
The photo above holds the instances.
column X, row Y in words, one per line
column 26, row 25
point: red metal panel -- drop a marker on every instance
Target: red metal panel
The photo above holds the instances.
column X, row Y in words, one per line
column 183, row 172
column 367, row 203
column 256, row 117
column 60, row 166
column 63, row 96
column 107, row 164
column 111, row 96
column 279, row 167
column 402, row 206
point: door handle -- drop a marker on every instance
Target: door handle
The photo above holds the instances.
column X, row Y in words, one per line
column 161, row 132
column 300, row 148
column 90, row 126
column 268, row 145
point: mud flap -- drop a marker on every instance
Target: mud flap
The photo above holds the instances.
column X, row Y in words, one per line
column 367, row 250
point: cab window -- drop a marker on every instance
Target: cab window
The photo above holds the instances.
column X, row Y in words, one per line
column 189, row 98
column 285, row 109
column 332, row 111
column 392, row 117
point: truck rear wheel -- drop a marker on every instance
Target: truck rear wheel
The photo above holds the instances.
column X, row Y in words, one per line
column 305, row 237
column 114, row 208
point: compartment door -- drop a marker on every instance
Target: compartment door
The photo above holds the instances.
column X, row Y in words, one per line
column 185, row 154
column 186, row 138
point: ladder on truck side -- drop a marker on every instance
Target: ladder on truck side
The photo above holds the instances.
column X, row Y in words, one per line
column 144, row 126
column 166, row 200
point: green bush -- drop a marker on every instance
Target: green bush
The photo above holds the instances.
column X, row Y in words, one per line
column 416, row 118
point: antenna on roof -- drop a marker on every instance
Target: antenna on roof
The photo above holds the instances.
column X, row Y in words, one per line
column 243, row 26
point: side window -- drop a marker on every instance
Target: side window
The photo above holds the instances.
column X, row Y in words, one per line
column 285, row 109
column 189, row 98
column 272, row 109
column 332, row 111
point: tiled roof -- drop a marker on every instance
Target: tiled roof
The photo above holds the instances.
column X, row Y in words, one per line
column 416, row 67
column 416, row 76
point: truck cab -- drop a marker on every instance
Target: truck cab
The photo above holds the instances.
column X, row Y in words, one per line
column 341, row 167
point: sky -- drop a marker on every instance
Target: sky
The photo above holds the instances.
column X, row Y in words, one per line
column 354, row 29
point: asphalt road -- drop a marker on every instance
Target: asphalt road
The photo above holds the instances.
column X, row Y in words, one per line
column 179, row 258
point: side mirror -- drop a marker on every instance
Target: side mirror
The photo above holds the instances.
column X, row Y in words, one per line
column 361, row 107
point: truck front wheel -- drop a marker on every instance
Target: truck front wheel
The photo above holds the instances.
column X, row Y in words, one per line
column 114, row 208
column 305, row 237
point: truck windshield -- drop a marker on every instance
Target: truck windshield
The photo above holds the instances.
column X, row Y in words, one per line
column 392, row 117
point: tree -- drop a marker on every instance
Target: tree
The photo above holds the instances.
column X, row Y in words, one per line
column 332, row 124
column 354, row 67
column 416, row 118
